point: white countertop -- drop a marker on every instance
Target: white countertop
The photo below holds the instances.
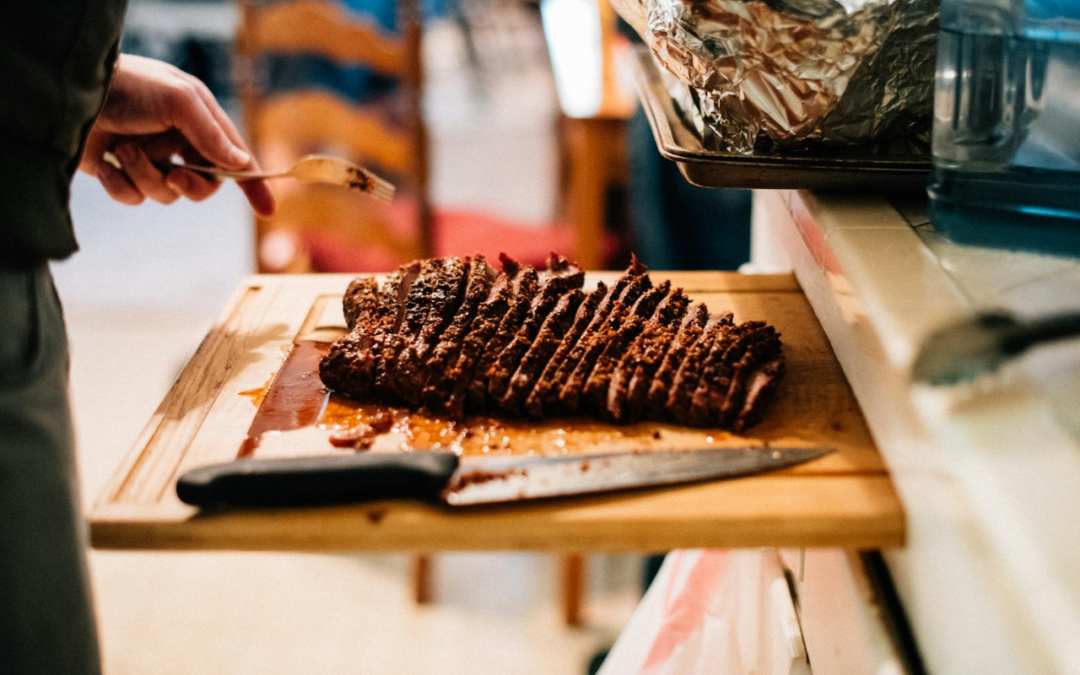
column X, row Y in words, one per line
column 990, row 472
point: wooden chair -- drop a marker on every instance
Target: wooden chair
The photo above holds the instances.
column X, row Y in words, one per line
column 594, row 110
column 386, row 135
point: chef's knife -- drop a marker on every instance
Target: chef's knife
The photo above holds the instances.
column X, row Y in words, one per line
column 442, row 477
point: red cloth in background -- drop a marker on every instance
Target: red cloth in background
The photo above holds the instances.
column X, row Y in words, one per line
column 456, row 233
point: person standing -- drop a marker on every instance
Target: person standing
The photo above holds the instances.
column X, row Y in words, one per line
column 59, row 59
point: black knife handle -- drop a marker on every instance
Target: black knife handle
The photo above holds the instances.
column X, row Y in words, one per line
column 305, row 481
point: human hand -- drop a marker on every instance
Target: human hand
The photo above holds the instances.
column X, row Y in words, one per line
column 153, row 112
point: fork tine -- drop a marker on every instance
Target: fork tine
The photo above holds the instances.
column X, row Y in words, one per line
column 379, row 188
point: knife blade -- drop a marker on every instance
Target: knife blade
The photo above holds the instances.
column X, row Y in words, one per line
column 443, row 477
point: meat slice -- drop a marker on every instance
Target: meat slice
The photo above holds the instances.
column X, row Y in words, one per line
column 629, row 383
column 560, row 277
column 566, row 363
column 361, row 301
column 759, row 394
column 346, row 368
column 444, row 300
column 449, row 394
column 482, row 279
column 686, row 377
column 351, row 364
column 757, row 347
column 596, row 386
column 547, row 385
column 716, row 372
column 411, row 318
column 545, row 344
column 526, row 287
column 593, row 342
column 392, row 295
column 689, row 333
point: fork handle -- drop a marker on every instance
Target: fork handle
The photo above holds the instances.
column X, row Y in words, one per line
column 112, row 159
column 225, row 173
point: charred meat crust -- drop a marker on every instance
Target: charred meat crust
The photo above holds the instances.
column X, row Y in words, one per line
column 481, row 280
column 547, row 385
column 453, row 335
column 596, row 387
column 451, row 396
column 526, row 287
column 443, row 302
column 593, row 342
column 560, row 278
column 361, row 301
column 629, row 382
column 537, row 355
column 686, row 378
column 688, row 333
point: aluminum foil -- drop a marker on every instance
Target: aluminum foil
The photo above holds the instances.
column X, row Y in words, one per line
column 787, row 73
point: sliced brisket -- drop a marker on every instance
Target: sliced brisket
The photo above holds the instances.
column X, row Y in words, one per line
column 759, row 393
column 361, row 301
column 453, row 335
column 689, row 331
column 352, row 363
column 451, row 396
column 560, row 277
column 526, row 287
column 548, row 384
column 445, row 354
column 410, row 318
column 686, row 378
column 592, row 343
column 629, row 382
column 547, row 341
column 596, row 387
column 444, row 301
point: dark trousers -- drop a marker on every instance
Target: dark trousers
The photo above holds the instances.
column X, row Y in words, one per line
column 46, row 616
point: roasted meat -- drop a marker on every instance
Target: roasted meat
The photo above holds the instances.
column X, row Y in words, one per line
column 453, row 336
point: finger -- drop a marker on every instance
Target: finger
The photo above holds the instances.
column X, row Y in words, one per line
column 194, row 119
column 191, row 185
column 146, row 177
column 118, row 186
column 260, row 197
column 258, row 192
column 219, row 113
column 161, row 148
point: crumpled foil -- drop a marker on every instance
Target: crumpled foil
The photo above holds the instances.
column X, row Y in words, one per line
column 780, row 74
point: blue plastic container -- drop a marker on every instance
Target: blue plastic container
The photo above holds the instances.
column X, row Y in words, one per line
column 1006, row 144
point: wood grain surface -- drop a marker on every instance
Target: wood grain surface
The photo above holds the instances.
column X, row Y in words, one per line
column 843, row 500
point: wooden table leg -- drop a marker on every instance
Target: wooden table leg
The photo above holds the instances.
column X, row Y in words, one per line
column 587, row 202
column 421, row 579
column 573, row 582
column 596, row 162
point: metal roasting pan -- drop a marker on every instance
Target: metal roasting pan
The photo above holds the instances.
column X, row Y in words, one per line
column 680, row 143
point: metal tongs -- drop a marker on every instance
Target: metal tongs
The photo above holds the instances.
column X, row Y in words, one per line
column 310, row 169
column 967, row 349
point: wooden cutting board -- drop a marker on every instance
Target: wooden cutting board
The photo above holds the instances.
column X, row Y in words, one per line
column 843, row 500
